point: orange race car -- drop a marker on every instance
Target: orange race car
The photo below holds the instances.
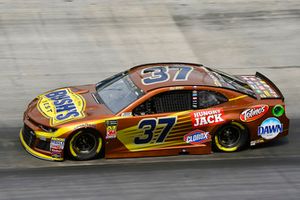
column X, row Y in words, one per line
column 154, row 110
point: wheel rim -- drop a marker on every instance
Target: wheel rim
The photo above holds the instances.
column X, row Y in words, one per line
column 85, row 143
column 229, row 136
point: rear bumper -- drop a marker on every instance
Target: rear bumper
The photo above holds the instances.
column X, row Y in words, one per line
column 27, row 143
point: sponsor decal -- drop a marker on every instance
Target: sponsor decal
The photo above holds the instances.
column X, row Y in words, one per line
column 260, row 86
column 270, row 128
column 254, row 113
column 207, row 117
column 61, row 106
column 197, row 137
column 177, row 88
column 111, row 129
column 195, row 99
column 267, row 93
column 255, row 142
column 57, row 147
column 85, row 126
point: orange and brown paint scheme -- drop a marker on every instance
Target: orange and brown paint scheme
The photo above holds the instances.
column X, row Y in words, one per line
column 155, row 110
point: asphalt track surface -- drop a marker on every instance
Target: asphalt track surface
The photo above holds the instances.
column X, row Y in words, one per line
column 50, row 44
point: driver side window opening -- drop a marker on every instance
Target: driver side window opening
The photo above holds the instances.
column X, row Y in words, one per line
column 172, row 101
column 179, row 100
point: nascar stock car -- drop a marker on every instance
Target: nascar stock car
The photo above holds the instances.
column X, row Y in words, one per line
column 154, row 110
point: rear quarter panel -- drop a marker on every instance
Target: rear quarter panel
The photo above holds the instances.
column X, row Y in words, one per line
column 254, row 125
column 237, row 103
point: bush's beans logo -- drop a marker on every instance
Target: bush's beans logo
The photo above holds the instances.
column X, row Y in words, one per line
column 197, row 137
column 207, row 117
column 254, row 113
column 270, row 128
column 61, row 106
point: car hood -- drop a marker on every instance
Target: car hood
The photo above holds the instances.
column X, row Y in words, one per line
column 66, row 105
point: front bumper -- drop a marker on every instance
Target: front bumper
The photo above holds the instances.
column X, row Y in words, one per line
column 28, row 140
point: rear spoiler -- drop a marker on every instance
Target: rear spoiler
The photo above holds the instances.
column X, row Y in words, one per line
column 271, row 84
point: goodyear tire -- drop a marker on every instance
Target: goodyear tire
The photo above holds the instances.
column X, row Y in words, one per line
column 231, row 137
column 84, row 145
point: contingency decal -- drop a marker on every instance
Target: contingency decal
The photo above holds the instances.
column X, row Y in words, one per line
column 270, row 128
column 260, row 86
column 85, row 125
column 57, row 147
column 207, row 117
column 111, row 129
column 255, row 142
column 197, row 137
column 195, row 99
column 254, row 113
column 61, row 106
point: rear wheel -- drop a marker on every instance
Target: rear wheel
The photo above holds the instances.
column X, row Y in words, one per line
column 231, row 137
column 84, row 145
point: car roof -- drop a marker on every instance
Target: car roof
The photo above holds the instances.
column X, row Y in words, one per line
column 199, row 76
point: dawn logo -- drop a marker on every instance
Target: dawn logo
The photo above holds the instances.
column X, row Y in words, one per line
column 270, row 128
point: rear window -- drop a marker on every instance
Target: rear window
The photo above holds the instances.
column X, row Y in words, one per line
column 232, row 82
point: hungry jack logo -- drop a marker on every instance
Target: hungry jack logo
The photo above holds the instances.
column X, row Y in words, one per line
column 207, row 117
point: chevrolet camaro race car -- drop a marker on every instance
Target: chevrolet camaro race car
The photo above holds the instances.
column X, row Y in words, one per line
column 155, row 110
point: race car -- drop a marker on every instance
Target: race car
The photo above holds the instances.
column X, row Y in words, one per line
column 157, row 109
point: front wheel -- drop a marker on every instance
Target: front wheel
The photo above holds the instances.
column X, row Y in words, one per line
column 84, row 145
column 231, row 137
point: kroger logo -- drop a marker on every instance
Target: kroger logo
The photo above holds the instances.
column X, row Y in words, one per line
column 197, row 137
column 270, row 128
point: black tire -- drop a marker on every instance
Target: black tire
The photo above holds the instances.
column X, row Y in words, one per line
column 84, row 145
column 231, row 137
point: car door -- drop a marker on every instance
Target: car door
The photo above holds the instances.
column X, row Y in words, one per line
column 159, row 122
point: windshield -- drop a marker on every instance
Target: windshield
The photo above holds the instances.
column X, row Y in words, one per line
column 232, row 82
column 118, row 92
